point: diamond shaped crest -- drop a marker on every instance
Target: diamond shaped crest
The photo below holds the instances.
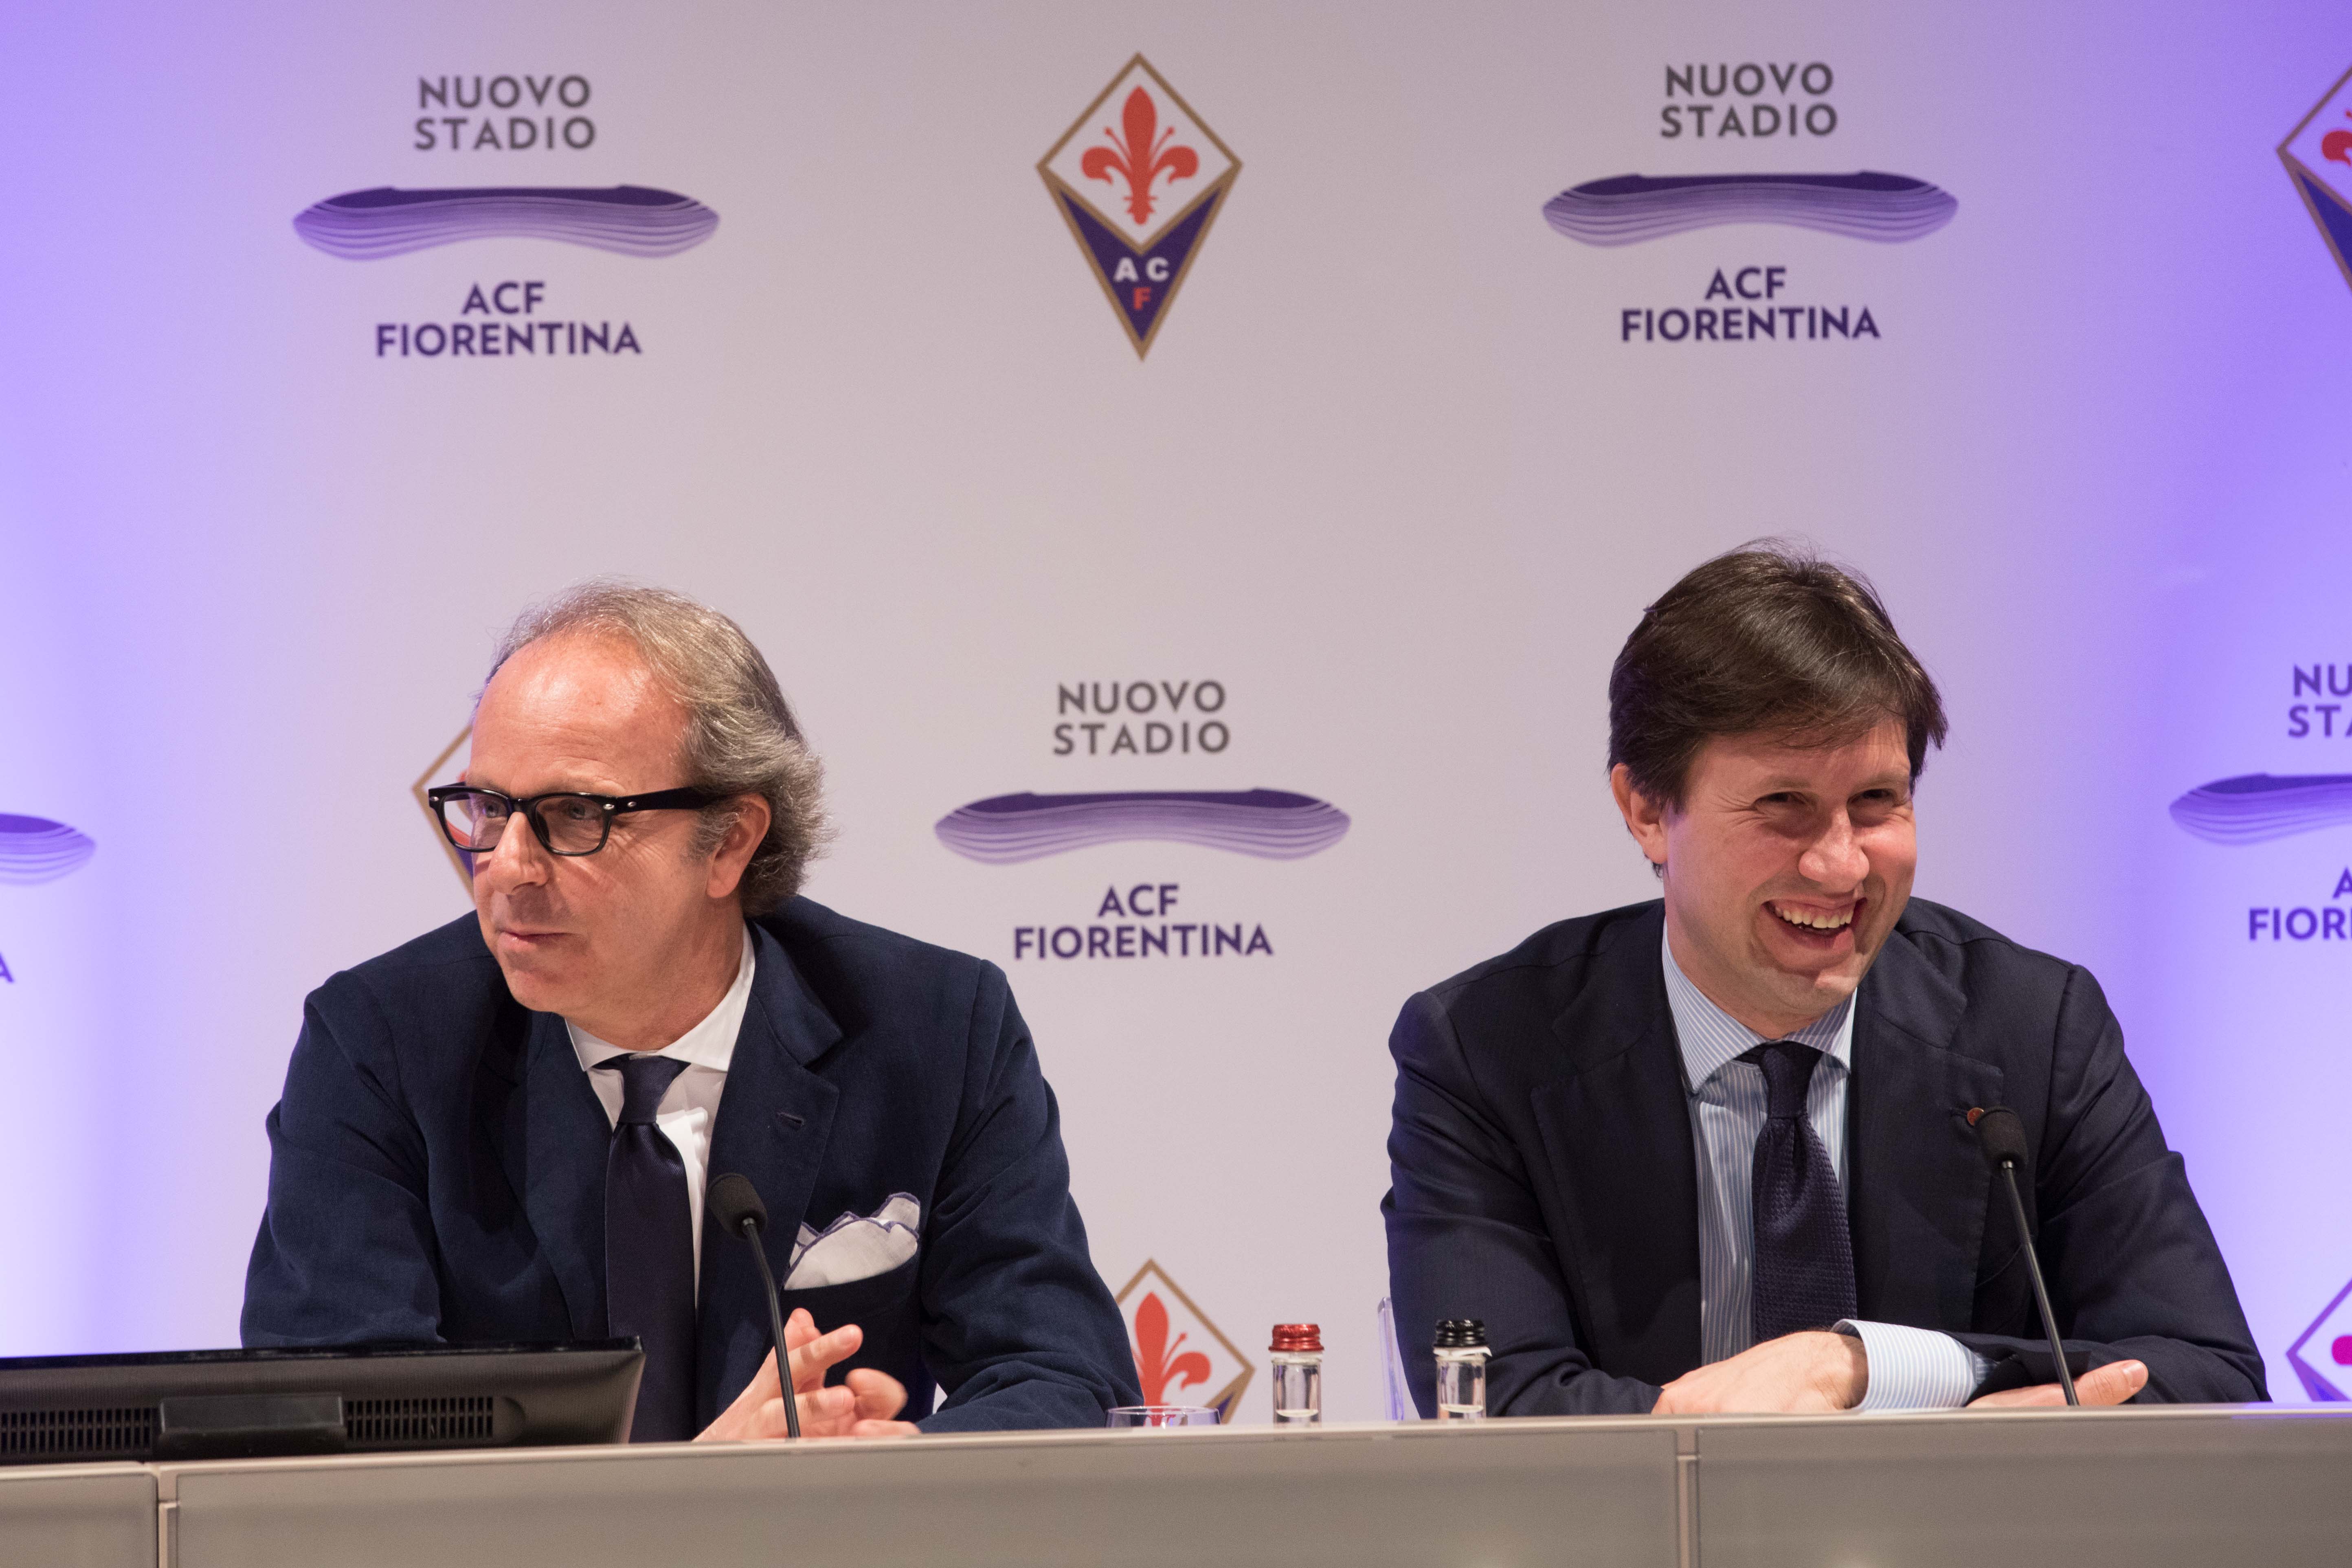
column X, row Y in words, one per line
column 1180, row 1354
column 2318, row 157
column 1138, row 178
column 445, row 769
column 2323, row 1357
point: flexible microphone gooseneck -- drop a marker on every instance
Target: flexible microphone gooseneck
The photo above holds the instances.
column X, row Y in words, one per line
column 737, row 1203
column 2002, row 1136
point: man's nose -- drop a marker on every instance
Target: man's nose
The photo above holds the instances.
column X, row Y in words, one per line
column 1835, row 859
column 519, row 860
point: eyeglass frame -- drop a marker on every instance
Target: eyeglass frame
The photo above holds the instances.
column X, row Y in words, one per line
column 609, row 808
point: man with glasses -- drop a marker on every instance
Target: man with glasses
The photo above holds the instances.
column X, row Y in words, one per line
column 502, row 1131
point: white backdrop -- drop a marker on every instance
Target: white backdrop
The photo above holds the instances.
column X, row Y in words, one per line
column 1389, row 475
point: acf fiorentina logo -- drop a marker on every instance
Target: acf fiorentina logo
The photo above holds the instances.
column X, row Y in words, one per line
column 1139, row 179
column 1179, row 1353
column 2318, row 157
column 2323, row 1357
column 433, row 775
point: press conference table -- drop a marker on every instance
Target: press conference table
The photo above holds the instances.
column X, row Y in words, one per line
column 2202, row 1484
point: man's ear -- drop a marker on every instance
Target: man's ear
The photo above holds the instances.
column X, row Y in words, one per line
column 744, row 833
column 1645, row 818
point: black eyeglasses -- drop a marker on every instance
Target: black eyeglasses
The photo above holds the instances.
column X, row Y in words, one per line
column 566, row 824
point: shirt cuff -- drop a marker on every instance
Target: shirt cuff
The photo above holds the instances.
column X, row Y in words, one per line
column 1915, row 1369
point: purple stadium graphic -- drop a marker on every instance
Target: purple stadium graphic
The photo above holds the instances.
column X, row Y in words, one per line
column 2253, row 807
column 1271, row 824
column 2322, row 1359
column 32, row 850
column 1631, row 209
column 628, row 220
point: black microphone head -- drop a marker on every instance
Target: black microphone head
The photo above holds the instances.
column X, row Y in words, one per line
column 2002, row 1136
column 733, row 1199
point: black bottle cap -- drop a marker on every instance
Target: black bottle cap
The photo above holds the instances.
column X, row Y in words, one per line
column 1461, row 1333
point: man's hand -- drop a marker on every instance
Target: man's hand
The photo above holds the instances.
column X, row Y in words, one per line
column 862, row 1405
column 2109, row 1385
column 1807, row 1371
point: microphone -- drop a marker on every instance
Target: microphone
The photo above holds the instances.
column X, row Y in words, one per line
column 736, row 1204
column 2001, row 1138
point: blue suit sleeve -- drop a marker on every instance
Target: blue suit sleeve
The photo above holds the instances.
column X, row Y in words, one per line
column 345, row 1254
column 1467, row 1240
column 2132, row 1267
column 1019, row 1330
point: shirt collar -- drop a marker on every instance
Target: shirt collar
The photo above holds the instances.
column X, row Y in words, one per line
column 1710, row 1037
column 709, row 1044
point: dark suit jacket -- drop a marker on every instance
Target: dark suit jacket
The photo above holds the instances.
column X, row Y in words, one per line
column 437, row 1173
column 1543, row 1176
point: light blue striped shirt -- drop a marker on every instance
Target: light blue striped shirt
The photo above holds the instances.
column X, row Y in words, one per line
column 1910, row 1369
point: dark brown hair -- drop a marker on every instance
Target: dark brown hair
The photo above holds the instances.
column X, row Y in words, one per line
column 1764, row 640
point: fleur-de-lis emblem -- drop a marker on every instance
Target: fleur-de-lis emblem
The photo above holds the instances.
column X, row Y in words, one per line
column 1142, row 154
column 2336, row 146
column 1161, row 1368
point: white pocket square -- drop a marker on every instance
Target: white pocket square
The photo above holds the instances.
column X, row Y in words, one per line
column 856, row 1247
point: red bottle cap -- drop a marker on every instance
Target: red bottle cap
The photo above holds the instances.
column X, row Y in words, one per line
column 1294, row 1337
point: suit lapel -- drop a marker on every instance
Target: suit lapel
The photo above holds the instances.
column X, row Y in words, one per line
column 776, row 1118
column 1617, row 1128
column 556, row 1137
column 1917, row 1182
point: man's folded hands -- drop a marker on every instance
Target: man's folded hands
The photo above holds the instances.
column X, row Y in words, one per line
column 863, row 1404
column 1815, row 1371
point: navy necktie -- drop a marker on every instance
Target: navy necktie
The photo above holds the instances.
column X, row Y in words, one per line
column 1803, row 1273
column 649, row 1250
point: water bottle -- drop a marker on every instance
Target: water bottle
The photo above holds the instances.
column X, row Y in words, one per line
column 1461, row 1352
column 1297, row 1355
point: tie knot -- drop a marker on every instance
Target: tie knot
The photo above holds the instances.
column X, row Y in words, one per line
column 1788, row 1070
column 645, row 1078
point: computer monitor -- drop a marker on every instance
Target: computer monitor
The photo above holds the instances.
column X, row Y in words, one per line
column 250, row 1404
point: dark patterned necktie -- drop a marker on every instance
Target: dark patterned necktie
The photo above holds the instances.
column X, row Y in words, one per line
column 649, row 1250
column 1803, row 1273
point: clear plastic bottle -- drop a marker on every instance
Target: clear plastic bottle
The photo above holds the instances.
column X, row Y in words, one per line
column 1460, row 1351
column 1298, row 1356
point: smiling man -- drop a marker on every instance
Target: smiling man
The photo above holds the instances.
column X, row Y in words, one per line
column 503, row 1130
column 1716, row 1152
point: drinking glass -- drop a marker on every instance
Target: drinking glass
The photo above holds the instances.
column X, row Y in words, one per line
column 1132, row 1416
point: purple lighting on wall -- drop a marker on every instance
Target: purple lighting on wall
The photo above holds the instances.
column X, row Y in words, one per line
column 1271, row 824
column 629, row 220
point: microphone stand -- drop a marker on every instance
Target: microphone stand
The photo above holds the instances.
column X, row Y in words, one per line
column 785, row 1360
column 2033, row 1265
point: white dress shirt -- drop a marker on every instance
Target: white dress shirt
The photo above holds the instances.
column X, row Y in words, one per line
column 1910, row 1369
column 690, row 1107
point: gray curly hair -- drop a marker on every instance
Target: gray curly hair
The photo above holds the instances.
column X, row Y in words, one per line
column 740, row 736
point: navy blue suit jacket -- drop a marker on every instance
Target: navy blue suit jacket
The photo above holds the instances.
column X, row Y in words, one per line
column 437, row 1173
column 1543, row 1176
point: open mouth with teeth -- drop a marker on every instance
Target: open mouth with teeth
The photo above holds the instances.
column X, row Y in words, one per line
column 1813, row 925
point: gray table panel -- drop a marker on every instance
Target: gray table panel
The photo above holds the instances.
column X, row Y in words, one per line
column 77, row 1516
column 1502, row 1496
column 2080, row 1488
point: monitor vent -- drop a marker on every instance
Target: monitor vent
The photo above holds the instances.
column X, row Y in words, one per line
column 124, row 1432
column 413, row 1422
